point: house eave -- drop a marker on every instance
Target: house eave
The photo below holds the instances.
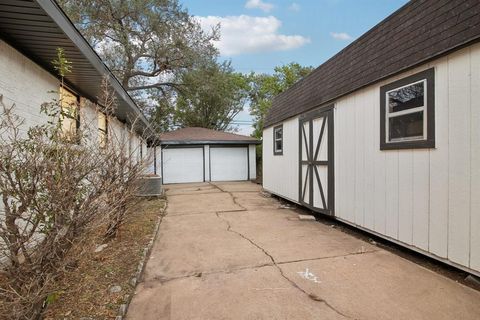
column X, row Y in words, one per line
column 37, row 28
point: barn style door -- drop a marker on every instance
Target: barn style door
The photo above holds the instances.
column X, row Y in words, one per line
column 316, row 174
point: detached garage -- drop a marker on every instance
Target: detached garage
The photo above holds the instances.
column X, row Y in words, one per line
column 200, row 154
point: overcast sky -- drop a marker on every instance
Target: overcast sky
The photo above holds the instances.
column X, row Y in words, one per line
column 257, row 35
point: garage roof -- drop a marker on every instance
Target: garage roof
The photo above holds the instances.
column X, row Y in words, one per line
column 418, row 32
column 37, row 28
column 197, row 135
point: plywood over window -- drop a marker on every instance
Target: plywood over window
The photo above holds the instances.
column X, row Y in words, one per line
column 69, row 113
column 102, row 129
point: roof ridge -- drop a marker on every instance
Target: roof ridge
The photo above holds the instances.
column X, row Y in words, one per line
column 203, row 134
column 451, row 25
column 361, row 37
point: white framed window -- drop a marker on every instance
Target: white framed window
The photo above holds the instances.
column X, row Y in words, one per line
column 278, row 140
column 406, row 113
column 407, row 107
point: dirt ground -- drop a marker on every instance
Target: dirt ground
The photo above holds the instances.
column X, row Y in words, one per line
column 86, row 289
column 228, row 251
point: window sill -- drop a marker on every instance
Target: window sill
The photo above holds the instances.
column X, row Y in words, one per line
column 422, row 144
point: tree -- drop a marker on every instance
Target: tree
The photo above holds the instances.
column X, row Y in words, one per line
column 264, row 87
column 212, row 96
column 145, row 43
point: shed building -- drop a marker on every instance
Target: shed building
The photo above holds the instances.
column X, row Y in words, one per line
column 385, row 135
column 198, row 154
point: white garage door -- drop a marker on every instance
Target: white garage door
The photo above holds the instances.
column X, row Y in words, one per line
column 182, row 165
column 228, row 164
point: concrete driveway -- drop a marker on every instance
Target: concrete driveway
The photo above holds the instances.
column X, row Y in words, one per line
column 226, row 251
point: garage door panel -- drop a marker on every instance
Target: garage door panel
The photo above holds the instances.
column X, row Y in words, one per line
column 229, row 164
column 182, row 165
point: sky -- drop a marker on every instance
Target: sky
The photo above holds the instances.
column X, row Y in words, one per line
column 257, row 35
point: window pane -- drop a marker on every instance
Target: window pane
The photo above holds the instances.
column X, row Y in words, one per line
column 278, row 145
column 406, row 126
column 406, row 98
column 278, row 133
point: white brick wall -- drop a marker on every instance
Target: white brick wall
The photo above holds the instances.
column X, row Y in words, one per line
column 25, row 84
column 28, row 86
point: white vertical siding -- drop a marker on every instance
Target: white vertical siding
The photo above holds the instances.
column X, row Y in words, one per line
column 391, row 194
column 158, row 154
column 154, row 160
column 207, row 162
column 380, row 170
column 420, row 203
column 345, row 165
column 359, row 157
column 369, row 166
column 405, row 196
column 424, row 198
column 439, row 186
column 252, row 151
column 280, row 173
column 475, row 158
column 459, row 157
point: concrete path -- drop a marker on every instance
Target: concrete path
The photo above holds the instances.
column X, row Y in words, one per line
column 225, row 251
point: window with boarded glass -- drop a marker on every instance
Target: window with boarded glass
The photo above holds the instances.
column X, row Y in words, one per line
column 407, row 112
column 278, row 140
column 69, row 116
column 102, row 129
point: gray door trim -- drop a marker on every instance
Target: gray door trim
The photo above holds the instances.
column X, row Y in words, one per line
column 312, row 175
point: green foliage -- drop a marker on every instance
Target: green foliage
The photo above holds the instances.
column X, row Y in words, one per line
column 52, row 297
column 213, row 95
column 264, row 87
column 148, row 44
column 61, row 64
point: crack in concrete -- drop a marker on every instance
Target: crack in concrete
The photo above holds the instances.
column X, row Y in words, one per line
column 231, row 195
column 273, row 263
column 199, row 274
column 327, row 257
column 277, row 266
column 190, row 194
column 192, row 213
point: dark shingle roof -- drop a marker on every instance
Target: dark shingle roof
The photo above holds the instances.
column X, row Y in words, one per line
column 196, row 135
column 419, row 31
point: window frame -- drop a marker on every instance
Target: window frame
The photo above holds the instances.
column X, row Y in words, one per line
column 277, row 152
column 428, row 108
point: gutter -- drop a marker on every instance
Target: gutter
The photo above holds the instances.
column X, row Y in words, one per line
column 61, row 19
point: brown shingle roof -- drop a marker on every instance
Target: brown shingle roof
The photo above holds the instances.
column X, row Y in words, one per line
column 419, row 31
column 196, row 135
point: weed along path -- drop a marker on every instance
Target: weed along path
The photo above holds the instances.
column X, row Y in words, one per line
column 228, row 251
